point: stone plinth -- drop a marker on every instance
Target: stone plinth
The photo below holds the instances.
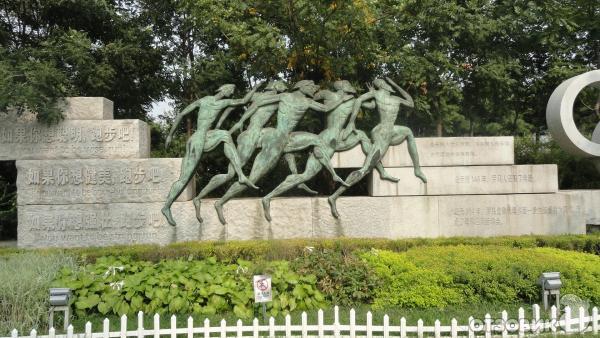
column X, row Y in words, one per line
column 439, row 151
column 303, row 217
column 468, row 180
column 75, row 139
column 73, row 108
column 590, row 203
column 87, row 108
column 97, row 181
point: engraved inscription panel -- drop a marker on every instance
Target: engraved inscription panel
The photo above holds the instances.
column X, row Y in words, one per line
column 75, row 139
column 467, row 180
column 91, row 225
column 97, row 181
column 439, row 151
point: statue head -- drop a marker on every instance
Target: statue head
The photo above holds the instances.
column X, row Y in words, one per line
column 382, row 84
column 226, row 89
column 276, row 85
column 345, row 86
column 307, row 87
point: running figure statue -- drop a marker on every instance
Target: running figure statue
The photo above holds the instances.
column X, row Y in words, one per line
column 204, row 139
column 383, row 135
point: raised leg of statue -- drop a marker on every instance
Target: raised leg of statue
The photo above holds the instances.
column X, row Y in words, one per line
column 313, row 166
column 401, row 134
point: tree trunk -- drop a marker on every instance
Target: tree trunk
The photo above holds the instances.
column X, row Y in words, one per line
column 439, row 127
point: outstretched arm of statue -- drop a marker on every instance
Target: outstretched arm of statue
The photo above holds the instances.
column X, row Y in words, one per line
column 245, row 99
column 408, row 101
column 224, row 116
column 247, row 114
column 329, row 106
column 190, row 108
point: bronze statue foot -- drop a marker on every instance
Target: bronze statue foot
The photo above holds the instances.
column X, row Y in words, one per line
column 245, row 181
column 420, row 175
column 197, row 207
column 340, row 180
column 389, row 177
column 333, row 207
column 307, row 189
column 219, row 208
column 166, row 211
column 266, row 203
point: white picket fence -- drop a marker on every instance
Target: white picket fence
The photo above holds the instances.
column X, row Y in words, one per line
column 486, row 327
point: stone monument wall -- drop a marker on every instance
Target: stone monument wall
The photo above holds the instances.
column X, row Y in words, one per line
column 88, row 181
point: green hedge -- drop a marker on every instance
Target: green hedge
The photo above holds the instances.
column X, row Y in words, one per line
column 231, row 251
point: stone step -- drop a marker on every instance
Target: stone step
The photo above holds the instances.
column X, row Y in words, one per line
column 439, row 151
column 74, row 139
column 97, row 181
column 304, row 217
column 468, row 180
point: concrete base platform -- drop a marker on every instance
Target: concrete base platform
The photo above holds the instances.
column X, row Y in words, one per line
column 366, row 217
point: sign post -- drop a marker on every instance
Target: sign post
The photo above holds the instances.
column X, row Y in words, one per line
column 262, row 292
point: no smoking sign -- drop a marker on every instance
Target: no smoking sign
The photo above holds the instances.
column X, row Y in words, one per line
column 262, row 289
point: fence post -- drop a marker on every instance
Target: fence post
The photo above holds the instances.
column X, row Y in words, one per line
column 173, row 326
column 255, row 333
column 239, row 330
column 471, row 333
column 14, row 333
column 352, row 323
column 437, row 329
column 304, row 325
column 488, row 326
column 156, row 325
column 553, row 318
column 595, row 320
column 206, row 328
column 402, row 327
column 88, row 330
column 321, row 333
column 504, row 324
column 336, row 322
column 190, row 327
column 535, row 325
column 51, row 333
column 140, row 322
column 454, row 328
column 70, row 331
column 123, row 326
column 521, row 322
column 288, row 325
column 223, row 328
column 386, row 326
column 420, row 328
column 271, row 327
column 369, row 324
column 567, row 319
column 105, row 328
column 581, row 319
column 33, row 333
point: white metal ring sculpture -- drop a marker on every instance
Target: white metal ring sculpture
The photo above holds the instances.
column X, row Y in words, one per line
column 559, row 116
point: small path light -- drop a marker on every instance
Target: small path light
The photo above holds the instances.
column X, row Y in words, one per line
column 59, row 301
column 551, row 284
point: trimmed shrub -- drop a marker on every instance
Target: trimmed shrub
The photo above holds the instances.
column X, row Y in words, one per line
column 342, row 276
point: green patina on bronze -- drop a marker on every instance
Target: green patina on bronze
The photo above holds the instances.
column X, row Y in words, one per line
column 342, row 107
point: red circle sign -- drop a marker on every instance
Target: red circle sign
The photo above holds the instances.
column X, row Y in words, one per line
column 262, row 284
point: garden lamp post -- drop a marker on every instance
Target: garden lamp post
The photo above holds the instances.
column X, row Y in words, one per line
column 59, row 301
column 551, row 284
